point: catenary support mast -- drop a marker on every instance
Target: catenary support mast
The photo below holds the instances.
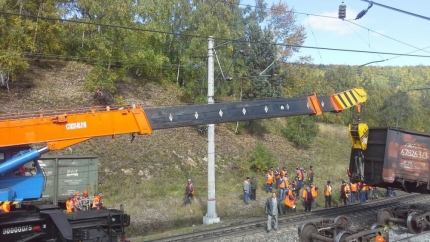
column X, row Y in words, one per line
column 211, row 216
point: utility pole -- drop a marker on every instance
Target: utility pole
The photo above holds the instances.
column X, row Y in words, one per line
column 211, row 217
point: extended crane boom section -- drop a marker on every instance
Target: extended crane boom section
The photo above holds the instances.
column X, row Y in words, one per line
column 173, row 117
column 66, row 129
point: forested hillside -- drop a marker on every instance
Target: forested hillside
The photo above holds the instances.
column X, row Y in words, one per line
column 165, row 42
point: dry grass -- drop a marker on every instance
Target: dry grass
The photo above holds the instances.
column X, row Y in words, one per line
column 162, row 161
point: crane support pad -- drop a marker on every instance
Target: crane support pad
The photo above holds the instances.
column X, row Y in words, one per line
column 173, row 117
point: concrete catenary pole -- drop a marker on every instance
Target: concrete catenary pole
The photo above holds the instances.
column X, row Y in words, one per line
column 211, row 217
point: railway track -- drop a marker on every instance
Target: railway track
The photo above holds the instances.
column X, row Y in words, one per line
column 354, row 211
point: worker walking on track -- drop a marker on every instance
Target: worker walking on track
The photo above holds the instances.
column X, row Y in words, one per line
column 273, row 209
column 189, row 192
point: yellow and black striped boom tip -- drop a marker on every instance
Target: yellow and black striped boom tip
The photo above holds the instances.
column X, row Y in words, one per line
column 9, row 202
column 349, row 98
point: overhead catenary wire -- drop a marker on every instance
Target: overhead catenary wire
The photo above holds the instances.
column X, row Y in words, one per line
column 205, row 37
column 316, row 43
column 332, row 17
column 368, row 43
column 388, row 36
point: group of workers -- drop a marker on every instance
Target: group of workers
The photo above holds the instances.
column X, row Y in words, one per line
column 288, row 193
column 77, row 203
column 359, row 192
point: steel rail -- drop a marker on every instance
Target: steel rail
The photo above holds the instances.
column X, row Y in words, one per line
column 295, row 219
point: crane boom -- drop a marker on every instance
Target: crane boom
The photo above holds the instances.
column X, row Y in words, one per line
column 63, row 128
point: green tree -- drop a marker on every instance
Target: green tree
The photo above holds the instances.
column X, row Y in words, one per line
column 300, row 130
column 24, row 38
column 262, row 158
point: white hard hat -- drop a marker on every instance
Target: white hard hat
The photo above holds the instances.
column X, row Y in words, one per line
column 189, row 180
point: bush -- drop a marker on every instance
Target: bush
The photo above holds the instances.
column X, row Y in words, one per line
column 262, row 159
column 301, row 130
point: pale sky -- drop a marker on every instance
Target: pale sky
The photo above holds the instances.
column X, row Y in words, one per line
column 403, row 33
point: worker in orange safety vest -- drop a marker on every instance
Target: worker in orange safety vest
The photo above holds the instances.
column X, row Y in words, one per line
column 5, row 208
column 277, row 178
column 269, row 181
column 308, row 199
column 283, row 187
column 363, row 193
column 97, row 203
column 77, row 202
column 344, row 192
column 353, row 192
column 85, row 200
column 284, row 172
column 327, row 194
column 290, row 203
column 314, row 191
column 70, row 205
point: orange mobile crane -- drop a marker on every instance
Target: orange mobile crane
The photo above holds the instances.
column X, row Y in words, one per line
column 63, row 128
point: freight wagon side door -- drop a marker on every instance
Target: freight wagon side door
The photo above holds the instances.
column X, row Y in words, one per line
column 75, row 174
column 407, row 157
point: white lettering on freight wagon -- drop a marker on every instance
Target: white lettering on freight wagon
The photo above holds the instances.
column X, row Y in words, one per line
column 78, row 125
column 72, row 173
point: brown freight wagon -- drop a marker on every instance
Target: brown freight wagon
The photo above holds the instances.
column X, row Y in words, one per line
column 394, row 157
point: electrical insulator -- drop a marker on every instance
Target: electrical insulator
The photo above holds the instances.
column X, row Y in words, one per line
column 342, row 11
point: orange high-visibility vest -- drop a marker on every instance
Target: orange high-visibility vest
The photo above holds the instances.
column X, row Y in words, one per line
column 70, row 206
column 5, row 208
column 347, row 188
column 190, row 186
column 328, row 190
column 300, row 175
column 305, row 194
column 364, row 188
column 353, row 187
column 283, row 173
column 269, row 178
column 284, row 183
column 314, row 192
column 379, row 238
column 277, row 175
column 96, row 202
column 290, row 202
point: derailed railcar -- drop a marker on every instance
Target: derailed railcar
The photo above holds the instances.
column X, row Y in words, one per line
column 394, row 158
